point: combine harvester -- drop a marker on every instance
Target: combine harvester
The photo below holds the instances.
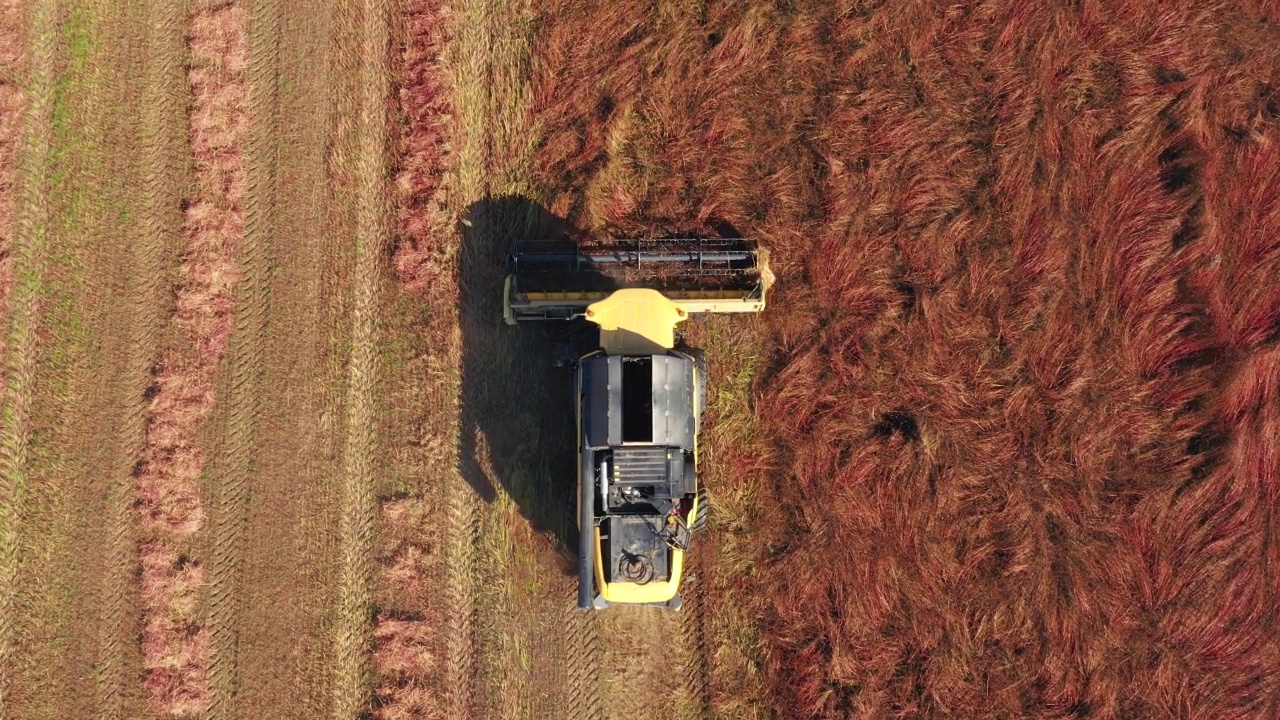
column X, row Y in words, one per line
column 639, row 395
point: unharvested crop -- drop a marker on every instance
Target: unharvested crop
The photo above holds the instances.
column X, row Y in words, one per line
column 407, row 645
column 423, row 102
column 174, row 645
column 403, row 661
column 1012, row 422
column 406, row 659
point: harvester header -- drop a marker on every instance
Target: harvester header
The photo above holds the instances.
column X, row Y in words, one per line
column 559, row 280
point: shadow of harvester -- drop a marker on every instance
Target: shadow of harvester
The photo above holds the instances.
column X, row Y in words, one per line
column 517, row 432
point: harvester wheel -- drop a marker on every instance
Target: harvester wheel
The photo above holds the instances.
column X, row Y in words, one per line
column 704, row 509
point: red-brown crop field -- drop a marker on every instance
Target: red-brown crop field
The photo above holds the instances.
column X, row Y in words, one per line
column 1004, row 444
column 1011, row 449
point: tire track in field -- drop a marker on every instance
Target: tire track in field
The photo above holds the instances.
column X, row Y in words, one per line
column 461, row 667
column 465, row 69
column 489, row 649
column 354, row 632
column 583, row 686
column 28, row 251
column 12, row 115
column 12, row 102
column 235, row 460
column 694, row 645
column 160, row 117
column 205, row 58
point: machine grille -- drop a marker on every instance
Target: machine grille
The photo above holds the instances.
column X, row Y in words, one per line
column 642, row 465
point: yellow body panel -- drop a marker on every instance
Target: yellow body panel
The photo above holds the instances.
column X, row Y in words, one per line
column 636, row 321
column 693, row 302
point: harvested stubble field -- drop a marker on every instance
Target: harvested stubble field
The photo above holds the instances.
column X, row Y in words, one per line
column 1005, row 444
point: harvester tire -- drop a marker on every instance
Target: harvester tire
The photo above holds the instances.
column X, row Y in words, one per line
column 704, row 510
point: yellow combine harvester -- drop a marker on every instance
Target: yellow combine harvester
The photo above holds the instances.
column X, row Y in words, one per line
column 639, row 394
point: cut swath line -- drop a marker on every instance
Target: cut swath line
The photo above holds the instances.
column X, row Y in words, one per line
column 28, row 253
column 160, row 139
column 229, row 480
column 175, row 655
column 402, row 651
column 356, row 520
column 169, row 481
column 420, row 257
column 406, row 659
